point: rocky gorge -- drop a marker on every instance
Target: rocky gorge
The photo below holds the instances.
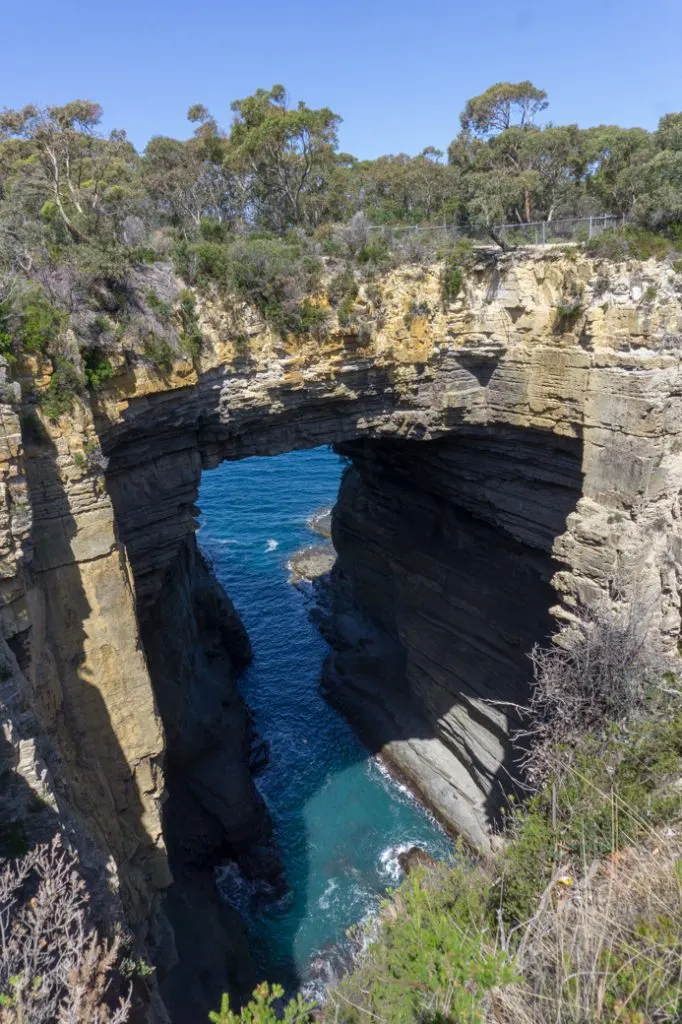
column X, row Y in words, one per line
column 505, row 462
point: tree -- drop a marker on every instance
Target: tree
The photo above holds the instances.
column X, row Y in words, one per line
column 502, row 105
column 612, row 152
column 669, row 132
column 189, row 180
column 87, row 181
column 286, row 155
column 657, row 188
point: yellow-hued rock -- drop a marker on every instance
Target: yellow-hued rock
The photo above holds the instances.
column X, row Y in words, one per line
column 85, row 554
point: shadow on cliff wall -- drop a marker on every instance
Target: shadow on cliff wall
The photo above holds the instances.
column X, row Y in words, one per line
column 25, row 818
column 446, row 547
column 99, row 784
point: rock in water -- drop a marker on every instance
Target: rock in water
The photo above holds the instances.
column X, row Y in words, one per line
column 415, row 857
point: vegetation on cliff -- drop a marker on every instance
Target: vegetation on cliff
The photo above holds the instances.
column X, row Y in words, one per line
column 53, row 964
column 579, row 915
column 577, row 918
column 256, row 210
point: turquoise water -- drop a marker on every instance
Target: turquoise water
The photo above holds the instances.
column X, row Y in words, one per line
column 339, row 820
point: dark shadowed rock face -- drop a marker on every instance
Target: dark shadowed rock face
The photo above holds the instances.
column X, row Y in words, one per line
column 444, row 548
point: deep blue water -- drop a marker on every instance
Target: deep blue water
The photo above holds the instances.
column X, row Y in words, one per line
column 339, row 820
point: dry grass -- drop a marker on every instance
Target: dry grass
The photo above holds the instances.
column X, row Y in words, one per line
column 607, row 948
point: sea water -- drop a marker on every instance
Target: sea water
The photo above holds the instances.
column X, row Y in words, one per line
column 340, row 821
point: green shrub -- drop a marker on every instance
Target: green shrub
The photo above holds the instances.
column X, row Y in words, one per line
column 434, row 957
column 110, row 264
column 375, row 252
column 618, row 244
column 201, row 263
column 566, row 316
column 38, row 322
column 159, row 352
column 674, row 233
column 212, row 230
column 66, row 382
column 612, row 792
column 190, row 337
column 452, row 280
column 650, row 294
column 98, row 368
column 677, row 266
column 312, row 319
column 6, row 335
column 332, row 245
column 454, row 265
column 416, row 311
column 263, row 1009
column 143, row 254
column 346, row 312
column 162, row 310
column 273, row 275
column 342, row 286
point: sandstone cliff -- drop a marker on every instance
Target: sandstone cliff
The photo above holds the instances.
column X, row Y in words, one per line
column 505, row 461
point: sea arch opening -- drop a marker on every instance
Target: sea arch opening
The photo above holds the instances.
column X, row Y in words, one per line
column 445, row 540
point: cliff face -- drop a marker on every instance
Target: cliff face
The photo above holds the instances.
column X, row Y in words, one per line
column 505, row 462
column 447, row 550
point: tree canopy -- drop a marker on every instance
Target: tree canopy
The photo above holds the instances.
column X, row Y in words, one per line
column 69, row 192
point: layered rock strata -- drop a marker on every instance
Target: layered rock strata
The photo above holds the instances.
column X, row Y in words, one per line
column 505, row 463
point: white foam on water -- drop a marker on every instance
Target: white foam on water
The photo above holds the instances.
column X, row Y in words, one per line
column 324, row 901
column 233, row 887
column 376, row 762
column 389, row 864
column 272, row 545
column 395, row 784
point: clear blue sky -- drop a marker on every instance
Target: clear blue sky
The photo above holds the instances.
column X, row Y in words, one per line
column 397, row 71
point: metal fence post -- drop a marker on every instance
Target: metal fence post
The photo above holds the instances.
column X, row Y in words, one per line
column 589, row 234
column 544, row 232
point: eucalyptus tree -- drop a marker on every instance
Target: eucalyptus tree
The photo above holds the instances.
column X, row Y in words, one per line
column 87, row 182
column 285, row 156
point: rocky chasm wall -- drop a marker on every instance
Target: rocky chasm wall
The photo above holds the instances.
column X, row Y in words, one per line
column 446, row 549
column 503, row 466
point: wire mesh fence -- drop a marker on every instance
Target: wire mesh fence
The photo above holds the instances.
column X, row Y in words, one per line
column 541, row 232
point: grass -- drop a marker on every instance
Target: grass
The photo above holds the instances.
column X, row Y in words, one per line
column 566, row 316
column 606, row 947
column 579, row 917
